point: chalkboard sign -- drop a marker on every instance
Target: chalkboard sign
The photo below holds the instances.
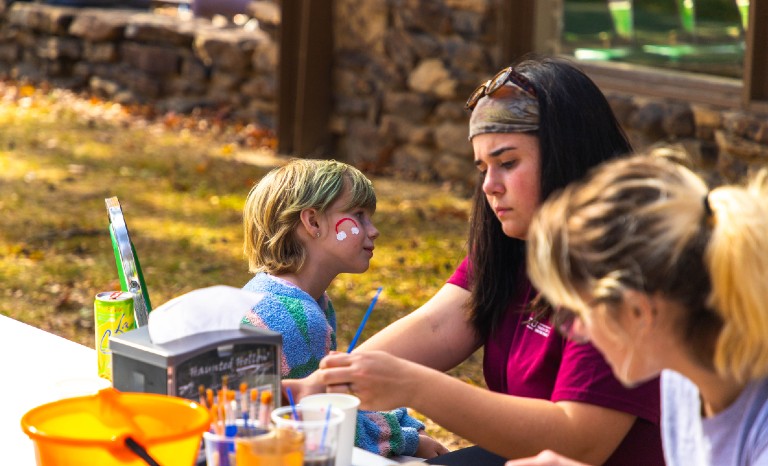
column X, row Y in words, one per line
column 254, row 364
column 179, row 367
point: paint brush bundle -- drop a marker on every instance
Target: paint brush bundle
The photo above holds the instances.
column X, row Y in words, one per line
column 244, row 412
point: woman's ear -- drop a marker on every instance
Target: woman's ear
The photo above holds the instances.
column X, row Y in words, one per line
column 640, row 309
column 310, row 221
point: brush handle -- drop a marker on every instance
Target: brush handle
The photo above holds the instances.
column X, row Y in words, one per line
column 364, row 321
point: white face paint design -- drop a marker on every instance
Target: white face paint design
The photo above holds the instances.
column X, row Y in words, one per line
column 341, row 235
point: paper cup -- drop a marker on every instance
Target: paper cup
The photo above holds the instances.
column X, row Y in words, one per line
column 348, row 404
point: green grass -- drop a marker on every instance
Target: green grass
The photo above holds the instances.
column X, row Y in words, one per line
column 182, row 182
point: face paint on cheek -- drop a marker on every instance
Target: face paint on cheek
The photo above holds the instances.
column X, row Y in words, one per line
column 341, row 235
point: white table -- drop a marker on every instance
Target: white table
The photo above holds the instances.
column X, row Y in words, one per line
column 34, row 365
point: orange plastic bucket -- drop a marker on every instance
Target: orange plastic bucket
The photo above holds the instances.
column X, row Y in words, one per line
column 106, row 428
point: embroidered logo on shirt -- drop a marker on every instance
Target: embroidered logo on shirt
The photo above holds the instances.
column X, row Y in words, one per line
column 539, row 327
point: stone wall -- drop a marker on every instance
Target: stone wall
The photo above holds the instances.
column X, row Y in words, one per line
column 177, row 63
column 402, row 70
column 726, row 143
column 405, row 67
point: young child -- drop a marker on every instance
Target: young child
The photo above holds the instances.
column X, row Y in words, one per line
column 305, row 223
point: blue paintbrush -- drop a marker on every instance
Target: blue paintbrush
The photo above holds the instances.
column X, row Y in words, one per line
column 365, row 320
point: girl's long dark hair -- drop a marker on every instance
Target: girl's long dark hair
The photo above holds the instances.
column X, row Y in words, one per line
column 577, row 130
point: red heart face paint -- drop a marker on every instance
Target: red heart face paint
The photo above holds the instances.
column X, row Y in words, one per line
column 340, row 235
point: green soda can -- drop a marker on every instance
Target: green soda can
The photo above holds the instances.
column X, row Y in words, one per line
column 113, row 314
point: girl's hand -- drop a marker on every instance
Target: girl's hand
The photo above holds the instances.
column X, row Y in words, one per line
column 302, row 387
column 429, row 447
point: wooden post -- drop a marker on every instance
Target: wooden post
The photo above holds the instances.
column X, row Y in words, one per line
column 516, row 29
column 305, row 84
column 286, row 76
column 756, row 54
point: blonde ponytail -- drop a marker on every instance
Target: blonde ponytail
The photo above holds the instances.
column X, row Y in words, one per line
column 737, row 259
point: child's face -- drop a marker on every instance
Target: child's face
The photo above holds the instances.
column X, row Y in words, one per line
column 348, row 237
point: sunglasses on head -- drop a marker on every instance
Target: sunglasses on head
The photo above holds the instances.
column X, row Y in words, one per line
column 494, row 84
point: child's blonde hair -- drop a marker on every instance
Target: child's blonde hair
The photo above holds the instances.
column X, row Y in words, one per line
column 651, row 225
column 273, row 207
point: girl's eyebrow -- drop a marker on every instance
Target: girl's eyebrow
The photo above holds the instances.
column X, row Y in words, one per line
column 501, row 150
column 497, row 152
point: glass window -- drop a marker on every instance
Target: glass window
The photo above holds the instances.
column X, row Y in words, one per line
column 700, row 36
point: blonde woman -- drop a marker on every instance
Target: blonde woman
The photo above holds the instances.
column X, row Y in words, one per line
column 665, row 276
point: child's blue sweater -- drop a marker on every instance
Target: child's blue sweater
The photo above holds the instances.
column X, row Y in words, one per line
column 309, row 334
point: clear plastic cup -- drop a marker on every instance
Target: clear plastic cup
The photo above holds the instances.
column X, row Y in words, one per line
column 278, row 447
column 321, row 427
column 349, row 405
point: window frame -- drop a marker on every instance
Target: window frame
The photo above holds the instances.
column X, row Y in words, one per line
column 540, row 23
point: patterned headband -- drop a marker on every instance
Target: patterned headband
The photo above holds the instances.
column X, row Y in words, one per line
column 510, row 109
